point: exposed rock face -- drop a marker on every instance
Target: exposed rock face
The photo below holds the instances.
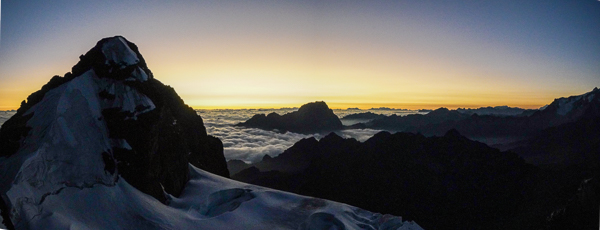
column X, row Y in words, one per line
column 109, row 108
column 313, row 117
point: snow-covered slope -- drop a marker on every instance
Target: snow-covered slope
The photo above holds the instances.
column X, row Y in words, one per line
column 208, row 202
column 77, row 164
column 575, row 104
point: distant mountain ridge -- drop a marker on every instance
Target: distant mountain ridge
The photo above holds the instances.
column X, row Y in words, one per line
column 497, row 111
column 510, row 128
column 365, row 116
column 493, row 125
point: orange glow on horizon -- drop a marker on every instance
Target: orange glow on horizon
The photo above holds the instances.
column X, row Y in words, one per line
column 252, row 54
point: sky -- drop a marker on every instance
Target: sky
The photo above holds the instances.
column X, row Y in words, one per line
column 270, row 54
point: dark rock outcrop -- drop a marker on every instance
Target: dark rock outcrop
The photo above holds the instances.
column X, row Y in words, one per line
column 311, row 118
column 162, row 136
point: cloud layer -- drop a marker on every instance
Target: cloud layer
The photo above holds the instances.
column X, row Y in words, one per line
column 251, row 145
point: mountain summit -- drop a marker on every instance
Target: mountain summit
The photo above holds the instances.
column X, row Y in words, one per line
column 110, row 109
column 108, row 146
column 310, row 118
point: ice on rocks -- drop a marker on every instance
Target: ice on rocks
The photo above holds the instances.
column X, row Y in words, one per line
column 117, row 51
column 64, row 148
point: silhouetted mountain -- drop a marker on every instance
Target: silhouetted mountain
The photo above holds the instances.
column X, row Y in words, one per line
column 310, row 118
column 508, row 129
column 498, row 111
column 364, row 116
column 236, row 166
column 446, row 182
column 400, row 123
column 111, row 106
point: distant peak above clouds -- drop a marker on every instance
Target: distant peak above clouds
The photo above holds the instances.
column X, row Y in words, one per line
column 314, row 117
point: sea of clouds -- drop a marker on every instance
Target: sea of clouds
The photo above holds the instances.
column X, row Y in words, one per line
column 251, row 144
column 4, row 115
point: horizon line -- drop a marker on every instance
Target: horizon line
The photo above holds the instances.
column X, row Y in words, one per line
column 350, row 106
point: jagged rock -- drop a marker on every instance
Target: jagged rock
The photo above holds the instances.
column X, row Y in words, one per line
column 311, row 118
column 110, row 109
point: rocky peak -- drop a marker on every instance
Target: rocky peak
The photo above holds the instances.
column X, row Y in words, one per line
column 310, row 118
column 107, row 119
column 332, row 138
column 317, row 106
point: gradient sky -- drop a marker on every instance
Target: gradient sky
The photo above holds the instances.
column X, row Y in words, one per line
column 237, row 54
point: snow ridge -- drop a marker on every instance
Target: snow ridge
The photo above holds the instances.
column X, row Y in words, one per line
column 69, row 138
column 566, row 105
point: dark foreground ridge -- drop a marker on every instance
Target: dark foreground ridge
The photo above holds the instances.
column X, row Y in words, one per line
column 447, row 182
column 314, row 117
column 151, row 134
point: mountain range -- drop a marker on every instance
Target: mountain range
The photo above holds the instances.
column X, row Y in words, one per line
column 108, row 146
column 546, row 179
